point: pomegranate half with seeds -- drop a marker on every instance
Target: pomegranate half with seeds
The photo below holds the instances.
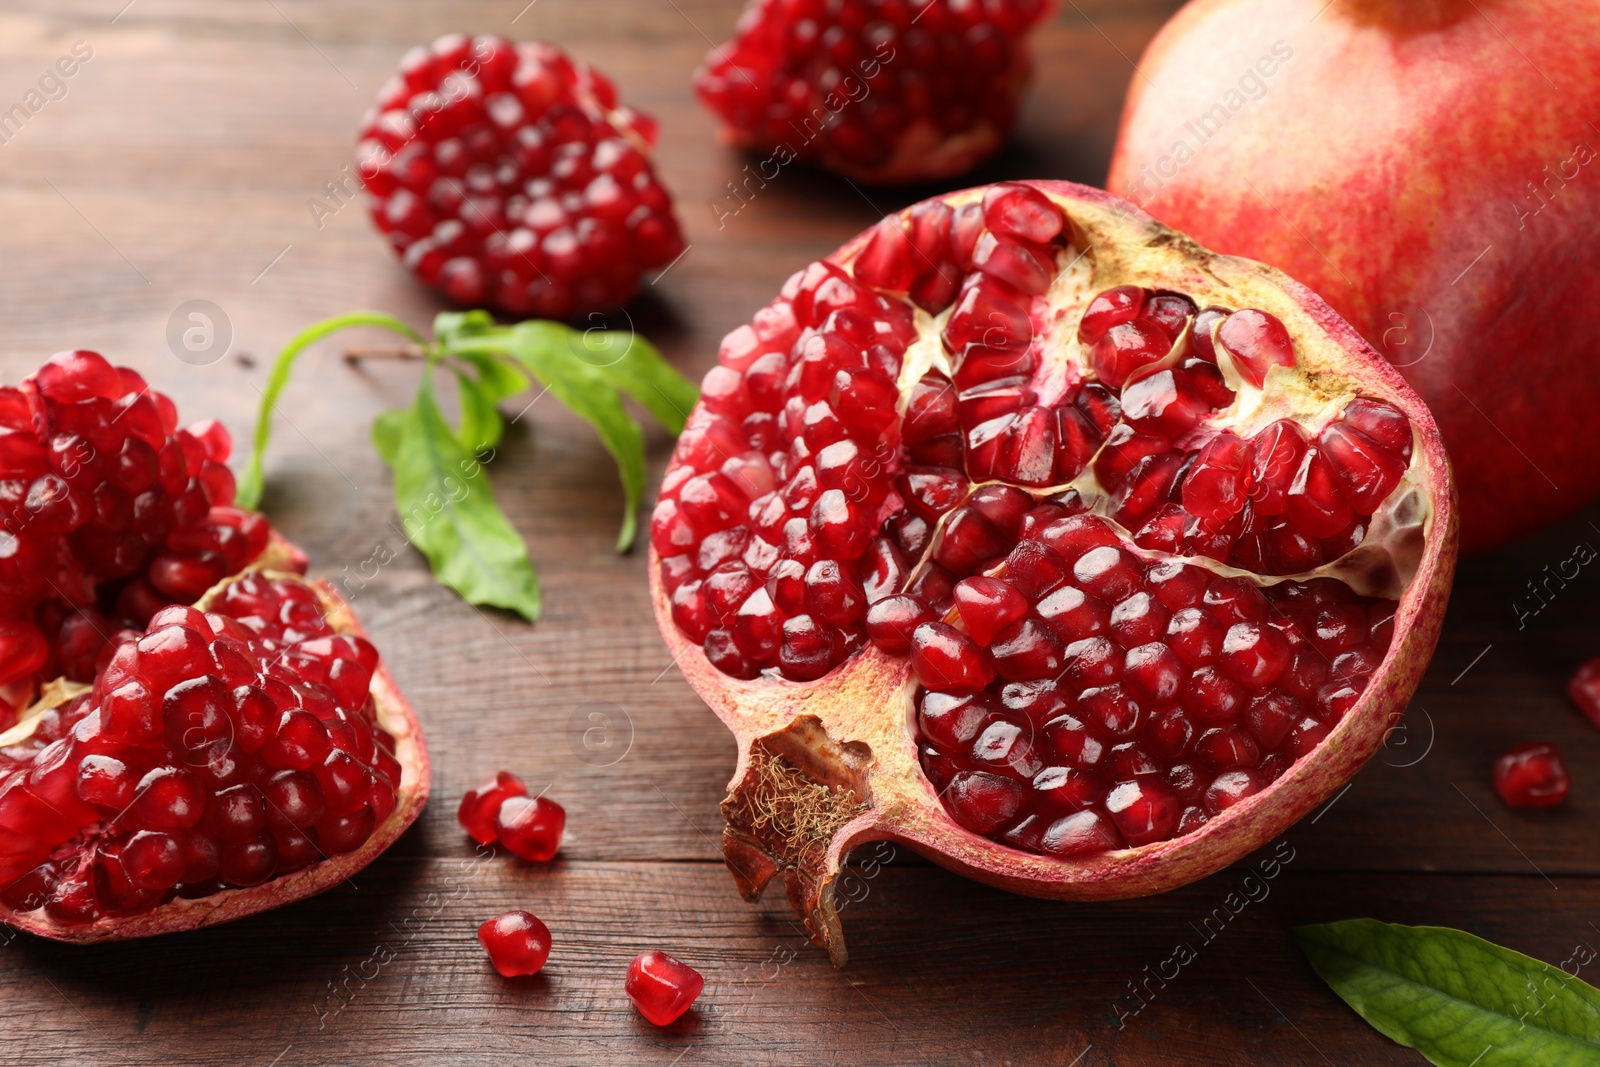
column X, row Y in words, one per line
column 236, row 756
column 108, row 513
column 1026, row 531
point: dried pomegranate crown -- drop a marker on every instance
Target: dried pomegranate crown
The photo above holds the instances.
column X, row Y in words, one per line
column 1028, row 532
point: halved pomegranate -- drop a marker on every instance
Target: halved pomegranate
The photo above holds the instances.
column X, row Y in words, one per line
column 238, row 755
column 108, row 513
column 1028, row 532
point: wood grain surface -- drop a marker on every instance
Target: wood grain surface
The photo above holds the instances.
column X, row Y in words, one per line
column 179, row 166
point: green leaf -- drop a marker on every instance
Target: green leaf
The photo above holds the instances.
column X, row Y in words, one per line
column 387, row 430
column 586, row 392
column 481, row 425
column 451, row 325
column 448, row 509
column 496, row 377
column 251, row 478
column 1459, row 1000
column 629, row 363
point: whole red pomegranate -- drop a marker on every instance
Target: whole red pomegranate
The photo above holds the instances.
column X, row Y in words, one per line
column 879, row 90
column 1026, row 531
column 1428, row 168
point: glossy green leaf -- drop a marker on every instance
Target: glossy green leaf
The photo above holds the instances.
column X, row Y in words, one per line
column 387, row 431
column 251, row 479
column 1459, row 1000
column 481, row 425
column 586, row 392
column 449, row 513
column 629, row 363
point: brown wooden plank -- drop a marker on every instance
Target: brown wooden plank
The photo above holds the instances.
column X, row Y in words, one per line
column 943, row 971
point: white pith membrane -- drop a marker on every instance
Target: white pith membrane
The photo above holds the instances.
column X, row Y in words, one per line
column 23, row 754
column 832, row 759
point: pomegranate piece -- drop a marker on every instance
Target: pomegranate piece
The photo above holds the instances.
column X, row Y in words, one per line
column 866, row 89
column 1114, row 559
column 251, row 746
column 1584, row 689
column 662, row 988
column 481, row 806
column 510, row 176
column 530, row 826
column 1533, row 775
column 517, row 943
column 108, row 513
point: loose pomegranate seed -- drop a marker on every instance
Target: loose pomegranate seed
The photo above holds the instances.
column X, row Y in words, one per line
column 509, row 175
column 517, row 943
column 1584, row 689
column 1081, row 571
column 530, row 827
column 480, row 807
column 661, row 987
column 1533, row 775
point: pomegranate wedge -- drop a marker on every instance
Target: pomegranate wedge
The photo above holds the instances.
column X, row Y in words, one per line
column 1027, row 532
column 235, row 756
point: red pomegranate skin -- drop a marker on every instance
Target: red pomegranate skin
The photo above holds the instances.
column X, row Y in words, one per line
column 1431, row 170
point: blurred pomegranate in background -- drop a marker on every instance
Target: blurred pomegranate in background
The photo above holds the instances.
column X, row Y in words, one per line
column 1429, row 169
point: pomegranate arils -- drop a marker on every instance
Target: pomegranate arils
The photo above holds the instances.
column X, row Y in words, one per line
column 790, row 68
column 1532, row 775
column 518, row 943
column 169, row 778
column 662, row 988
column 1584, row 689
column 107, row 513
column 1064, row 512
column 1257, row 341
column 508, row 175
column 481, row 806
column 530, row 827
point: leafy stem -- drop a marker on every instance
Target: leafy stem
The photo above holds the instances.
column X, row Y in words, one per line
column 445, row 504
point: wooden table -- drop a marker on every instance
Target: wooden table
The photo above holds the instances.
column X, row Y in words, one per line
column 179, row 166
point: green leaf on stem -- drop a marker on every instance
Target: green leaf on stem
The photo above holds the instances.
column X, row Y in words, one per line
column 629, row 363
column 388, row 429
column 1456, row 998
column 250, row 479
column 449, row 513
column 585, row 391
column 441, row 492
